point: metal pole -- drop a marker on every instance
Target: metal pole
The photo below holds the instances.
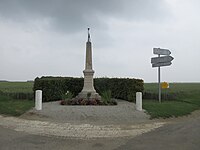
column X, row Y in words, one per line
column 159, row 87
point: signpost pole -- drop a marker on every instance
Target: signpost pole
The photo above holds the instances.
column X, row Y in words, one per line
column 159, row 87
column 161, row 61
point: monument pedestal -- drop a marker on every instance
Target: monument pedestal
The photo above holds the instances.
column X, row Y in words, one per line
column 84, row 95
column 88, row 88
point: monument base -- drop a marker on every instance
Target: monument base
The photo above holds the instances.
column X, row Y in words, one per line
column 89, row 95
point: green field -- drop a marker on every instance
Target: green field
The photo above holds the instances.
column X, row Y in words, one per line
column 16, row 87
column 188, row 92
column 17, row 90
column 174, row 87
column 187, row 99
column 14, row 97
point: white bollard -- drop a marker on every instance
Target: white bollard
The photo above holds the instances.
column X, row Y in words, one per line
column 38, row 99
column 139, row 101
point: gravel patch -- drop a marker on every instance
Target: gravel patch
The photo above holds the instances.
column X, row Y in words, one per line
column 123, row 113
column 82, row 131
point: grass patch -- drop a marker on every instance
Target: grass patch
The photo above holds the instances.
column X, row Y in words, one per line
column 9, row 106
column 192, row 97
column 168, row 108
column 106, row 96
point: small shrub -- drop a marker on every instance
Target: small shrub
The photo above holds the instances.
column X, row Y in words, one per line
column 106, row 97
column 67, row 96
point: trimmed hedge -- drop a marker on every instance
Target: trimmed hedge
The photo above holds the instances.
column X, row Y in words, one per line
column 54, row 87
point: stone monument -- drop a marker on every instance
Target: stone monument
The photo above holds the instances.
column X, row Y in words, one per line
column 88, row 90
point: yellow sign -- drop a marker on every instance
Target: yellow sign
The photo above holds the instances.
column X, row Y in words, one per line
column 165, row 85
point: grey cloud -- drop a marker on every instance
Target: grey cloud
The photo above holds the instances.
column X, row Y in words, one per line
column 73, row 15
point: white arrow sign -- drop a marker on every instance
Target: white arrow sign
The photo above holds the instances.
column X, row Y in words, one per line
column 161, row 64
column 160, row 51
column 163, row 59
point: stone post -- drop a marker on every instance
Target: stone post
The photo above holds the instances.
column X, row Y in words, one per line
column 38, row 99
column 139, row 101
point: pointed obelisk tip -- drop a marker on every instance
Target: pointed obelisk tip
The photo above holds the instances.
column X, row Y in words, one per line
column 88, row 35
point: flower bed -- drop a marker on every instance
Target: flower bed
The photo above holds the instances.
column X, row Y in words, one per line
column 76, row 101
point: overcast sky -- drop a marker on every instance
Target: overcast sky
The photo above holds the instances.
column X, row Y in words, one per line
column 47, row 38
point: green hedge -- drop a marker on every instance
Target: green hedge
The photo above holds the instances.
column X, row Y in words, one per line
column 121, row 88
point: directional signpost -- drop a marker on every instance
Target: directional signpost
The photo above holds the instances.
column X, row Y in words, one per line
column 161, row 51
column 164, row 59
column 160, row 62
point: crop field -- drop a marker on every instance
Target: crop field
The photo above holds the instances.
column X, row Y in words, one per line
column 173, row 87
column 16, row 87
column 17, row 90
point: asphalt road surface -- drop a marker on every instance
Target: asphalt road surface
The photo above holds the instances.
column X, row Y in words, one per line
column 13, row 140
column 180, row 134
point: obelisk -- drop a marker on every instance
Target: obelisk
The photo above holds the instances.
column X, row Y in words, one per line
column 88, row 88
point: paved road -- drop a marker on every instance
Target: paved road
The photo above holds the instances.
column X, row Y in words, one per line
column 13, row 140
column 178, row 135
column 181, row 135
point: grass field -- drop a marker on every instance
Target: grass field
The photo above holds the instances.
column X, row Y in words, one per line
column 17, row 90
column 187, row 100
column 16, row 87
column 188, row 92
column 173, row 87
